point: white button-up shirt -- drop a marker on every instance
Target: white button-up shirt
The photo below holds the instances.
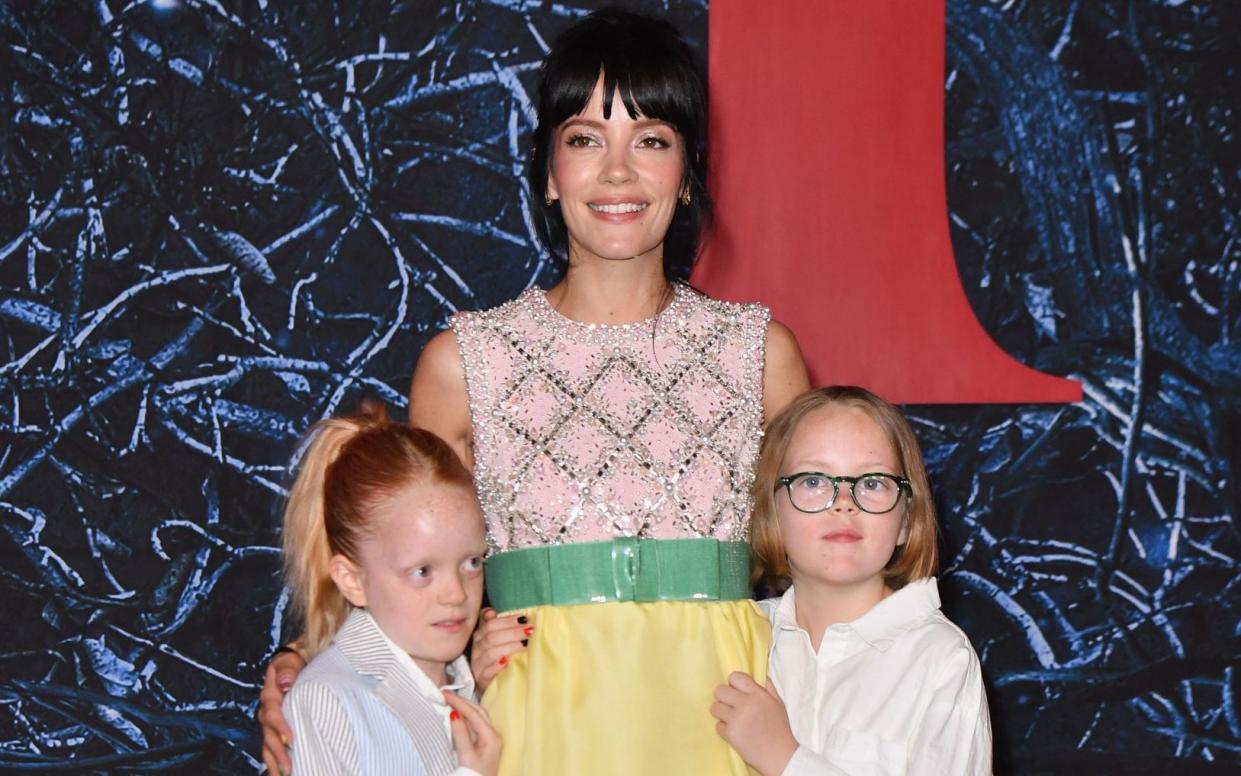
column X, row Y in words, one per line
column 897, row 691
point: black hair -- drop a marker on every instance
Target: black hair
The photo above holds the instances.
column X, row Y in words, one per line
column 658, row 77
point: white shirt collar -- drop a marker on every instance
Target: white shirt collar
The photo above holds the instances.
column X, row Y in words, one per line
column 886, row 620
column 461, row 681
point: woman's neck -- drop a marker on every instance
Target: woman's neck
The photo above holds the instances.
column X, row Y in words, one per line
column 612, row 292
column 819, row 606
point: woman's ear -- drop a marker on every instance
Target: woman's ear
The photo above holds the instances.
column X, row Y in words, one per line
column 348, row 578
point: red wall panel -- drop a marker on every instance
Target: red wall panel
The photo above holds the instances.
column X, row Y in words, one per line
column 828, row 173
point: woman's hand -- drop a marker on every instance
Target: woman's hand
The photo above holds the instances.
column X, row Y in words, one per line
column 494, row 641
column 475, row 741
column 277, row 736
column 752, row 719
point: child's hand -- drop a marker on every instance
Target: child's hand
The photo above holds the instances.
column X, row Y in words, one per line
column 475, row 741
column 494, row 641
column 753, row 721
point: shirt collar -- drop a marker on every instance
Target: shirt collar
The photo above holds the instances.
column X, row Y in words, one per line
column 461, row 681
column 785, row 615
column 897, row 613
column 886, row 620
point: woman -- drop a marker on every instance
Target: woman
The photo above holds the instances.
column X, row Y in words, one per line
column 612, row 424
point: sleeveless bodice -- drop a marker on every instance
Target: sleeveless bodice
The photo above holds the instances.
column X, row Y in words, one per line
column 585, row 432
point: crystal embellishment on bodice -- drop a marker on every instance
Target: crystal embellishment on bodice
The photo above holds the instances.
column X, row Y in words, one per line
column 587, row 432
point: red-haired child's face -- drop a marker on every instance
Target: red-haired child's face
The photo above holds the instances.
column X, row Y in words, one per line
column 419, row 571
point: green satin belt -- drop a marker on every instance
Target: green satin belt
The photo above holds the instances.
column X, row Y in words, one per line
column 624, row 569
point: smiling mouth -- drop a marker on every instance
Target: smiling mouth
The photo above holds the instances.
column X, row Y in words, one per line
column 623, row 207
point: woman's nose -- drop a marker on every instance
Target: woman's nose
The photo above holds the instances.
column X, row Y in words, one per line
column 617, row 166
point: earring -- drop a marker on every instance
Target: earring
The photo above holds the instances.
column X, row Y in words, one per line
column 685, row 196
column 548, row 200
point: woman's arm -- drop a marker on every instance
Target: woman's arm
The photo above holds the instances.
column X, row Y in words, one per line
column 438, row 400
column 784, row 371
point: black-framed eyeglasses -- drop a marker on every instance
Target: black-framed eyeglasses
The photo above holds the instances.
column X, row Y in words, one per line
column 873, row 492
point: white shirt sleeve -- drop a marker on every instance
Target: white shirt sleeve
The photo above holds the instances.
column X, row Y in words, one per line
column 955, row 734
column 323, row 742
column 806, row 762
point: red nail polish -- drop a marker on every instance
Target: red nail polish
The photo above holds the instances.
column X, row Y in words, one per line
column 455, row 715
column 528, row 630
column 504, row 661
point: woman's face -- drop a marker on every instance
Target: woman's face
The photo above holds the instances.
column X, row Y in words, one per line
column 617, row 180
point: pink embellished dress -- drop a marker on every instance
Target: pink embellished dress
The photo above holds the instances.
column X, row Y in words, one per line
column 614, row 464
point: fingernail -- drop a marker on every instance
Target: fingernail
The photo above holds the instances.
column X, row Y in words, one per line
column 528, row 630
column 504, row 661
column 455, row 715
column 522, row 619
column 525, row 642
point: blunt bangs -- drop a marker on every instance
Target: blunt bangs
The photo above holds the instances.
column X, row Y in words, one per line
column 648, row 88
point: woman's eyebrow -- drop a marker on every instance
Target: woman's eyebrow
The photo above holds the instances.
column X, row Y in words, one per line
column 578, row 121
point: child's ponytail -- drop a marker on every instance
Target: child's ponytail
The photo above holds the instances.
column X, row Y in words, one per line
column 308, row 547
column 307, row 553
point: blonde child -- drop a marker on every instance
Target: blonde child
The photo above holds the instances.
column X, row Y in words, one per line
column 384, row 544
column 867, row 675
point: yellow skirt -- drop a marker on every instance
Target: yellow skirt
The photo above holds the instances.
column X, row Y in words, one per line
column 625, row 688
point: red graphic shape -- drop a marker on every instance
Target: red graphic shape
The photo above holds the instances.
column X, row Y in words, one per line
column 827, row 130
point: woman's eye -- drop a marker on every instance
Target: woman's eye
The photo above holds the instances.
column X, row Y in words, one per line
column 654, row 141
column 579, row 141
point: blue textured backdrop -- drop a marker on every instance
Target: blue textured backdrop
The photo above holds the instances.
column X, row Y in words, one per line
column 220, row 221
